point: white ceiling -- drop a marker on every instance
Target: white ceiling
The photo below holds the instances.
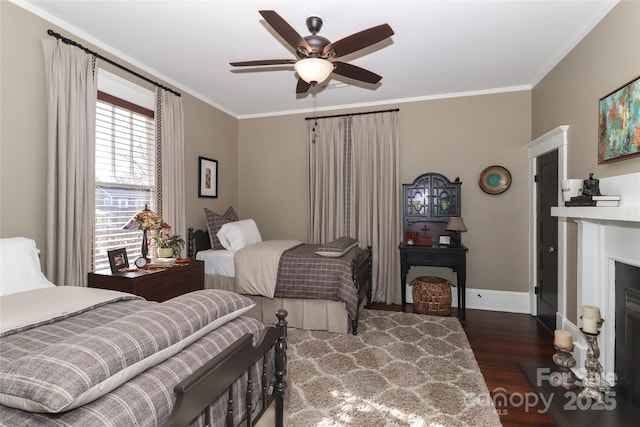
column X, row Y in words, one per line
column 440, row 48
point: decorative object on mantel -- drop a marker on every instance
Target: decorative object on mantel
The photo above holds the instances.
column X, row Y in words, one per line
column 589, row 201
column 591, row 195
column 591, row 186
column 494, row 180
column 619, row 123
column 571, row 188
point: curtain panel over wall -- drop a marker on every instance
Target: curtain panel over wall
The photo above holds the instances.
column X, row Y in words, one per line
column 71, row 82
column 170, row 162
column 354, row 180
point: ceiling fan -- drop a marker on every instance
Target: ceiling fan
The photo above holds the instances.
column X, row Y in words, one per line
column 316, row 54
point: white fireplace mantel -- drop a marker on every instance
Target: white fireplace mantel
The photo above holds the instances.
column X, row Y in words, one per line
column 605, row 235
column 626, row 186
column 602, row 213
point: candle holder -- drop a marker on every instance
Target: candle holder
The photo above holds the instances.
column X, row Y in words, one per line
column 593, row 382
column 565, row 361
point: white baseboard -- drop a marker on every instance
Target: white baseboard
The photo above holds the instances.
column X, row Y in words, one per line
column 487, row 299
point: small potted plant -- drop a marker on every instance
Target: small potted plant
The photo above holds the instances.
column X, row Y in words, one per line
column 168, row 246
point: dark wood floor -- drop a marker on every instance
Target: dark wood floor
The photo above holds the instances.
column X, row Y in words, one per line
column 499, row 341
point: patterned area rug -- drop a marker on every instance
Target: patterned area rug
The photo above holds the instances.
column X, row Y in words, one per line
column 402, row 369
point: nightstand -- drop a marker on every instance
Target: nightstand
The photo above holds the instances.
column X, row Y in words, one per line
column 157, row 284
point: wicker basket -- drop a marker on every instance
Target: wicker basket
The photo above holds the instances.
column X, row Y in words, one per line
column 432, row 295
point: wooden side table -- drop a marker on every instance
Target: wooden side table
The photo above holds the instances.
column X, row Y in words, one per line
column 157, row 284
column 454, row 258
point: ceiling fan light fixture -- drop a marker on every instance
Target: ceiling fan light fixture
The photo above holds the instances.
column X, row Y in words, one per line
column 313, row 70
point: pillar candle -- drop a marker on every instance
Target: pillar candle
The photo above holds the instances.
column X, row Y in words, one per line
column 590, row 325
column 590, row 311
column 563, row 339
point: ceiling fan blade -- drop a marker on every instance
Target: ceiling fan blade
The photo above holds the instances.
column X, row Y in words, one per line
column 357, row 41
column 355, row 72
column 285, row 30
column 262, row 62
column 302, row 86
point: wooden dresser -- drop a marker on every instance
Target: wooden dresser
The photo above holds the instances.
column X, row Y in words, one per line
column 159, row 284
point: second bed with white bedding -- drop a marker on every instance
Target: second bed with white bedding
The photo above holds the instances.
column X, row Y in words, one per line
column 331, row 314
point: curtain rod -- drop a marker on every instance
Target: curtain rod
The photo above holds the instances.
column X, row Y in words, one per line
column 352, row 114
column 97, row 55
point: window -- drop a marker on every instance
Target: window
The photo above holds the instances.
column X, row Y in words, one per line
column 125, row 174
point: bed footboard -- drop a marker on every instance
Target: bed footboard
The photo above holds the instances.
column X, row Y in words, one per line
column 209, row 382
column 362, row 279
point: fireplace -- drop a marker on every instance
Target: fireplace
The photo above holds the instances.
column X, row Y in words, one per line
column 607, row 236
column 627, row 342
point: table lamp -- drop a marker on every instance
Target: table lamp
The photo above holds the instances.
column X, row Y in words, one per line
column 144, row 220
column 456, row 224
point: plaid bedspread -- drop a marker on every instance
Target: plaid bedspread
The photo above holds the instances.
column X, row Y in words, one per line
column 303, row 274
column 145, row 400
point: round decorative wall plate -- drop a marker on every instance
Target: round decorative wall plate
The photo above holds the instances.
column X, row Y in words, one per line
column 494, row 180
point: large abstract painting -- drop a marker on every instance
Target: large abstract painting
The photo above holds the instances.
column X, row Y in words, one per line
column 619, row 123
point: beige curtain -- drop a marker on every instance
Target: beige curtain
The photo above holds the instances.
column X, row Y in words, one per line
column 71, row 82
column 170, row 138
column 354, row 189
column 326, row 182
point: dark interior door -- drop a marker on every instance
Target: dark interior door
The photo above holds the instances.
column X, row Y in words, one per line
column 547, row 240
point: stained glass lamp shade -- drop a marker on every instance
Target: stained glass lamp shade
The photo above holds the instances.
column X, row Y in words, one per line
column 145, row 220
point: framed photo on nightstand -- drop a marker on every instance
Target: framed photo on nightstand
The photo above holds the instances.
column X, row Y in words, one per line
column 445, row 240
column 118, row 259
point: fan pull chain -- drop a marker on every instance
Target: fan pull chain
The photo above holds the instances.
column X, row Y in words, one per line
column 315, row 123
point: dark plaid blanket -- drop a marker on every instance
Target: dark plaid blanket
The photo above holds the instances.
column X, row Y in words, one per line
column 145, row 400
column 303, row 274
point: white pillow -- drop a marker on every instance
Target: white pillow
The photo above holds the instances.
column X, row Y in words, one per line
column 338, row 247
column 238, row 234
column 20, row 266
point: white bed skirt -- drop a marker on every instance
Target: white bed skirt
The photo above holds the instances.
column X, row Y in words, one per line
column 309, row 314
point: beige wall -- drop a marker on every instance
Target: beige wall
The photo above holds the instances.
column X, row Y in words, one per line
column 208, row 132
column 605, row 59
column 455, row 137
column 272, row 175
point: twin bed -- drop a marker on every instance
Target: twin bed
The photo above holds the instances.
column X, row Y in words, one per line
column 73, row 356
column 319, row 292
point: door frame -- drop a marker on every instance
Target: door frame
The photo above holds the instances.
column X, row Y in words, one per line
column 552, row 140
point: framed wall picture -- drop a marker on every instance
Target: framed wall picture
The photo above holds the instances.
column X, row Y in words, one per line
column 208, row 178
column 619, row 123
column 118, row 259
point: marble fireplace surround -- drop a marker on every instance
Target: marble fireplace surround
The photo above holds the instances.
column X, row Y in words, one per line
column 605, row 235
